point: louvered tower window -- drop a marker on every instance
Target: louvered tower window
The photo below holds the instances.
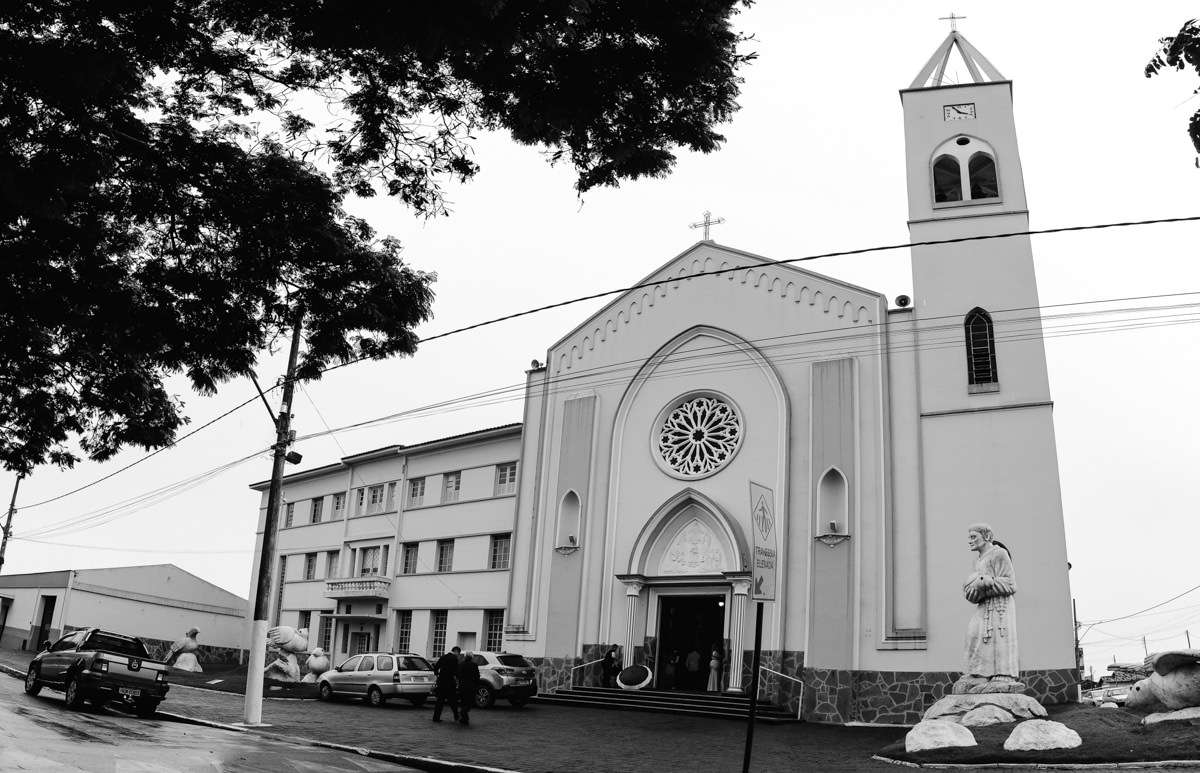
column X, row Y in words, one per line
column 982, row 375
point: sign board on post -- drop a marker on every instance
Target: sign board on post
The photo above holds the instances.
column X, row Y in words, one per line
column 764, row 561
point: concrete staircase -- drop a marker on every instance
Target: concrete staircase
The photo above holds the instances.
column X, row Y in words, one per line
column 694, row 704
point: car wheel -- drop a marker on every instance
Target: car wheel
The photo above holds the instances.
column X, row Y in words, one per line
column 485, row 696
column 32, row 685
column 418, row 702
column 375, row 697
column 518, row 702
column 145, row 709
column 74, row 696
column 325, row 692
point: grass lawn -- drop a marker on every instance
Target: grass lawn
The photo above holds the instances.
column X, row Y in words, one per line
column 1109, row 735
column 233, row 679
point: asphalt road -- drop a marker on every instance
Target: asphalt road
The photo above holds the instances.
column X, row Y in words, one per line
column 42, row 734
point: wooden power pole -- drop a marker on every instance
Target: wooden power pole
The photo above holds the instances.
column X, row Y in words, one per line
column 12, row 508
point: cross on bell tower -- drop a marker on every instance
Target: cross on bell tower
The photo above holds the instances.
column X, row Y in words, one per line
column 707, row 222
column 953, row 20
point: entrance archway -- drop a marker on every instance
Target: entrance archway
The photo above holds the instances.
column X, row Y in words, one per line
column 690, row 627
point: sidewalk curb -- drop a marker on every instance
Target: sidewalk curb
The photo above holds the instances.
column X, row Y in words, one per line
column 421, row 763
column 1145, row 765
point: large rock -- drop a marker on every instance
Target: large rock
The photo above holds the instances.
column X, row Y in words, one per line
column 937, row 734
column 954, row 707
column 1183, row 715
column 987, row 714
column 1039, row 734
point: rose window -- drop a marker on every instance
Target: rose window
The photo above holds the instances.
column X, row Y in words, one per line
column 700, row 436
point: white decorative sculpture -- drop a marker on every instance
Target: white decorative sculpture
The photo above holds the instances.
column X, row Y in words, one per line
column 291, row 642
column 991, row 649
column 318, row 663
column 182, row 655
column 1174, row 685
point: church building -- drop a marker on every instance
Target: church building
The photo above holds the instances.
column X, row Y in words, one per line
column 872, row 436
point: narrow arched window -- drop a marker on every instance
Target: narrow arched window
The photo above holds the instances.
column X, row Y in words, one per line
column 568, row 521
column 981, row 352
column 947, row 179
column 982, row 171
column 831, row 503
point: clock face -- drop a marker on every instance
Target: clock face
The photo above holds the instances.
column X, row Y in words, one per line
column 959, row 112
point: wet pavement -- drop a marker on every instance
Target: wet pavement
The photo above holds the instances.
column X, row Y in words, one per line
column 42, row 734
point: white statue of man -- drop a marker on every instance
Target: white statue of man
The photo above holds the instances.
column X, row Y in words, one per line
column 991, row 647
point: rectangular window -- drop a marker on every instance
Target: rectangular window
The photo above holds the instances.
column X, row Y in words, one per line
column 437, row 645
column 445, row 555
column 289, row 512
column 370, row 561
column 416, row 492
column 410, row 557
column 506, row 478
column 310, row 566
column 498, row 556
column 360, row 501
column 305, row 619
column 403, row 630
column 318, row 507
column 339, row 505
column 375, row 499
column 332, row 559
column 324, row 631
column 279, row 591
column 390, row 503
column 494, row 635
column 451, row 485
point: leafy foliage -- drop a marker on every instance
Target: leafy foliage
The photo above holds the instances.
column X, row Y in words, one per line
column 171, row 183
column 1180, row 52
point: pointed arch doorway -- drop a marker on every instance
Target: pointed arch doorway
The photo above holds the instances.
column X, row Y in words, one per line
column 686, row 590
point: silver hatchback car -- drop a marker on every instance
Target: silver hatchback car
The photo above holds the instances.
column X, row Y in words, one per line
column 377, row 676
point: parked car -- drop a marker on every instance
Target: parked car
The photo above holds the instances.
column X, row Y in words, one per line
column 377, row 676
column 99, row 666
column 504, row 675
column 1116, row 695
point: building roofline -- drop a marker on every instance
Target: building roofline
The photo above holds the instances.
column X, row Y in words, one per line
column 449, row 441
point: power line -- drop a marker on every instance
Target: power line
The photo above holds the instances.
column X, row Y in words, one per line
column 164, row 551
column 1142, row 611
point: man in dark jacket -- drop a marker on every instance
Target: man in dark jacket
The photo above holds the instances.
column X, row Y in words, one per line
column 609, row 668
column 468, row 681
column 446, row 690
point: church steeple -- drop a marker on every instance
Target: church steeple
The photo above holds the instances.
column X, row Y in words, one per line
column 978, row 67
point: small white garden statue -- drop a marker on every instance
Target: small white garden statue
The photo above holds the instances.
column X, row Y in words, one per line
column 182, row 655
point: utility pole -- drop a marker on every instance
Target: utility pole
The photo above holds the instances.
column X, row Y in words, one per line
column 12, row 508
column 262, row 595
column 1186, row 633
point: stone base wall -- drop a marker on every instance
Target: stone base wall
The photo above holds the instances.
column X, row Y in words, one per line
column 554, row 673
column 772, row 688
column 901, row 697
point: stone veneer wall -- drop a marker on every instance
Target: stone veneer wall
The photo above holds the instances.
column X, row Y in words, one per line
column 901, row 697
column 772, row 688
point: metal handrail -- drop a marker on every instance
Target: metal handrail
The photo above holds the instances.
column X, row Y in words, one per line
column 583, row 665
column 800, row 705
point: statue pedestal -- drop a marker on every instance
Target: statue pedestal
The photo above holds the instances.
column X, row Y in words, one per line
column 979, row 709
column 977, row 685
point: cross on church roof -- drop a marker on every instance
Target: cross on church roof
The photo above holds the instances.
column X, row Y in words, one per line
column 953, row 20
column 707, row 222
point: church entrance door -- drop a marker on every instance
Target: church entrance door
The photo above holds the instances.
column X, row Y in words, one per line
column 689, row 628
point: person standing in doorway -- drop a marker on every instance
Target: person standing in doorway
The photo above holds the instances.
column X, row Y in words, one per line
column 446, row 689
column 692, row 664
column 608, row 667
column 468, row 682
column 714, row 668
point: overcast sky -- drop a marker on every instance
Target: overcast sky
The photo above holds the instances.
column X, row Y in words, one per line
column 814, row 162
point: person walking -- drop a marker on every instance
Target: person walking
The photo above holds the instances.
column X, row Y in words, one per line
column 468, row 682
column 446, row 688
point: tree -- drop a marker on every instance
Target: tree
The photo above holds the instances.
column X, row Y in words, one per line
column 169, row 193
column 1180, row 52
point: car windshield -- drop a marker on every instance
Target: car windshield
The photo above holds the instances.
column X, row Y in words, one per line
column 117, row 644
column 514, row 660
column 413, row 663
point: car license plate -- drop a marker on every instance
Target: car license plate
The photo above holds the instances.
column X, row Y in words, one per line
column 520, row 681
column 130, row 691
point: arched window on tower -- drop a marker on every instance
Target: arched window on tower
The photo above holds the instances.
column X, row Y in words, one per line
column 982, row 171
column 947, row 180
column 568, row 521
column 981, row 352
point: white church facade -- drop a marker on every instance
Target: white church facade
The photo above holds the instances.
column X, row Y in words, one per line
column 882, row 433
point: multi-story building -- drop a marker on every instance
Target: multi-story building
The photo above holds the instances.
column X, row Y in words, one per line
column 401, row 548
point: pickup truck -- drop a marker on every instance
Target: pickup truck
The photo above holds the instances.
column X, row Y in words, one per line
column 99, row 666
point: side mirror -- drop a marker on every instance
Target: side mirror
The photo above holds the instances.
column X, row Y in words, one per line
column 338, row 669
column 46, row 645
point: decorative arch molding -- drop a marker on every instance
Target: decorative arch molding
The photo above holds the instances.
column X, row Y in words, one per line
column 689, row 517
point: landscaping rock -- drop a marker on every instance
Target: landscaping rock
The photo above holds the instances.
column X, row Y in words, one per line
column 937, row 734
column 1183, row 715
column 987, row 714
column 1040, row 734
column 954, row 707
column 1109, row 705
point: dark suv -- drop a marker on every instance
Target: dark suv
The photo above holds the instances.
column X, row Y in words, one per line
column 504, row 675
column 100, row 666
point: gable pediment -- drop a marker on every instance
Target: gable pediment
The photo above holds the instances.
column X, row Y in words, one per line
column 845, row 304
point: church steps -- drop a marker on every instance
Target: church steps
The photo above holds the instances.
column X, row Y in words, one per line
column 713, row 705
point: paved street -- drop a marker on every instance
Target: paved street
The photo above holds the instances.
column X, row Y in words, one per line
column 41, row 734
